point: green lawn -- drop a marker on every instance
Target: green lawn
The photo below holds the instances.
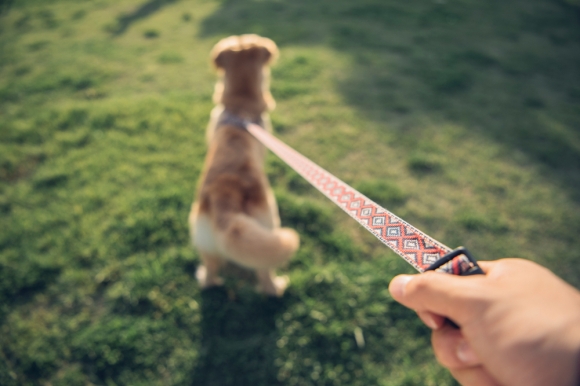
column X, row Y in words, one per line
column 461, row 116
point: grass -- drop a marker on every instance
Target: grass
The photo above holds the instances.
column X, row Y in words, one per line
column 460, row 116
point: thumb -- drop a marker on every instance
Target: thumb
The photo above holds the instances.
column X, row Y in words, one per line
column 452, row 296
column 397, row 286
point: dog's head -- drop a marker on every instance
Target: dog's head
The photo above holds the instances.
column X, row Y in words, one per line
column 243, row 61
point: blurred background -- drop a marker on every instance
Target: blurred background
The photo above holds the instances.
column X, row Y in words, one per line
column 461, row 116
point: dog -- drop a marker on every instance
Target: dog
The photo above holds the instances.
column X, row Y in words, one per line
column 235, row 216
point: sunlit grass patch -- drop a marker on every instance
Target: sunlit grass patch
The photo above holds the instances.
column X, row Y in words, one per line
column 170, row 58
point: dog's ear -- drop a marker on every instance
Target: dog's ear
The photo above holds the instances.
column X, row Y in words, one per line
column 220, row 59
column 266, row 55
column 270, row 51
column 222, row 50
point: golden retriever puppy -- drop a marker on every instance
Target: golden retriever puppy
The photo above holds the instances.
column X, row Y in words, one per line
column 235, row 217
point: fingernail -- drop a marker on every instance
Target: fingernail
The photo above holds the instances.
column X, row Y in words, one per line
column 466, row 354
column 397, row 287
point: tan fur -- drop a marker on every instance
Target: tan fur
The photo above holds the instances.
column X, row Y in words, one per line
column 235, row 217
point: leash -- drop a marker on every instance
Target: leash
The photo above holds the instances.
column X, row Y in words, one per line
column 420, row 250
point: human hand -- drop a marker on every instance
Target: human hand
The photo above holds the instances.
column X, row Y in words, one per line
column 519, row 323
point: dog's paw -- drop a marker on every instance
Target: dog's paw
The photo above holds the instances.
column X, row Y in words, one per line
column 275, row 287
column 281, row 283
column 204, row 280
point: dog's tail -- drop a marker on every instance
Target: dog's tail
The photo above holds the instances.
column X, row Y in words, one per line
column 248, row 243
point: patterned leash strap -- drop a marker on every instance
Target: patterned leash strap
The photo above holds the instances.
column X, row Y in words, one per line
column 418, row 249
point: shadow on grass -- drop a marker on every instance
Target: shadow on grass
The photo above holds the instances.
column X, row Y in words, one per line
column 21, row 278
column 508, row 71
column 238, row 339
column 124, row 21
column 5, row 5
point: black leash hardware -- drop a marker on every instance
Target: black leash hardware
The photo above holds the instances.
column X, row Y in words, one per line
column 472, row 269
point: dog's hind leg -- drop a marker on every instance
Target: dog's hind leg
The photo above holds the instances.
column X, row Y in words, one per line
column 208, row 273
column 270, row 284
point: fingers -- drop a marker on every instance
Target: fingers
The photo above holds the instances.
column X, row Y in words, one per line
column 452, row 349
column 439, row 293
column 433, row 321
column 454, row 352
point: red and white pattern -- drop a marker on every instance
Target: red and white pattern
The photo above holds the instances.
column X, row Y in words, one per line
column 407, row 241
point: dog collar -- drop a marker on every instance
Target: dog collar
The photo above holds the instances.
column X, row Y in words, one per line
column 228, row 118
